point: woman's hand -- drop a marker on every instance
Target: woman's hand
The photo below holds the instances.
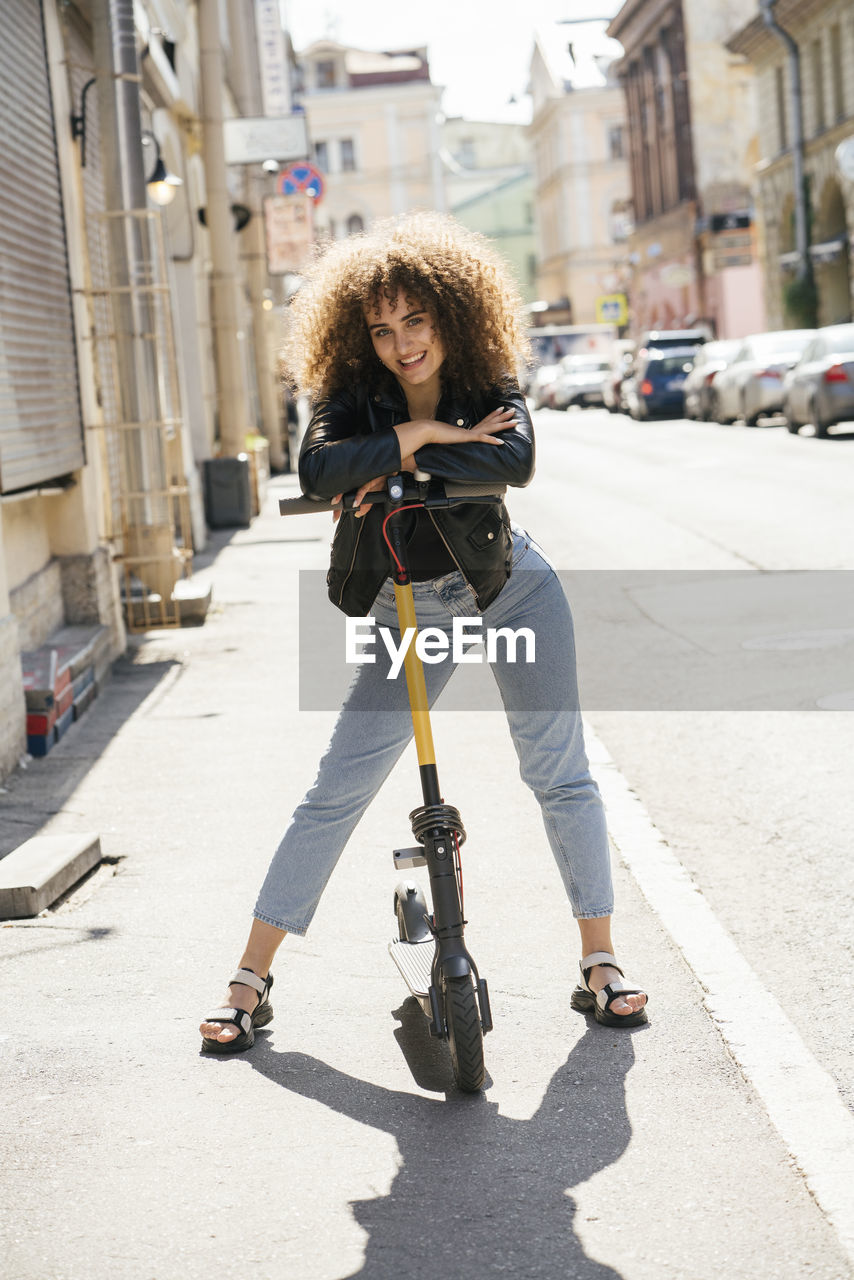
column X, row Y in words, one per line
column 360, row 508
column 498, row 420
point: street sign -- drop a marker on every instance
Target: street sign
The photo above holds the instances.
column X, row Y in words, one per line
column 729, row 222
column 612, row 308
column 302, row 178
column 732, row 249
column 273, row 61
column 254, row 139
column 289, row 232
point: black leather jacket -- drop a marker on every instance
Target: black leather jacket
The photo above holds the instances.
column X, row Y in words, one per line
column 350, row 441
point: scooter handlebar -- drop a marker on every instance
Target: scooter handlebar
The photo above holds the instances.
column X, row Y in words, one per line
column 452, row 491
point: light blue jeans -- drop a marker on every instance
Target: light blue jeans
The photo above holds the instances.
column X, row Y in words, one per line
column 374, row 726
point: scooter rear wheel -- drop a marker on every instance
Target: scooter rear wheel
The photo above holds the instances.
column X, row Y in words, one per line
column 465, row 1034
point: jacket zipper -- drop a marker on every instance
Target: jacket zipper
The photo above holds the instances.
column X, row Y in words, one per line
column 352, row 561
column 451, row 554
column 460, row 569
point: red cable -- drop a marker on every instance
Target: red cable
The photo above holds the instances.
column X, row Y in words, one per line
column 413, row 506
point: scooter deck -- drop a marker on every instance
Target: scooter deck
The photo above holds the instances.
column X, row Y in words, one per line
column 415, row 962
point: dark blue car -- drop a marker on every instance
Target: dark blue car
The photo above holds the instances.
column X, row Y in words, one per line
column 657, row 386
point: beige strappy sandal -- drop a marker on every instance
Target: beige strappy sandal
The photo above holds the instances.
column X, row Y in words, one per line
column 247, row 1022
column 599, row 1003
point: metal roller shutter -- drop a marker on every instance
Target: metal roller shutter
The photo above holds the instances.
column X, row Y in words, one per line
column 81, row 70
column 41, row 432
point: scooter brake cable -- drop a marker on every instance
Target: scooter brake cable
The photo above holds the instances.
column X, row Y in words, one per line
column 412, row 506
column 459, row 866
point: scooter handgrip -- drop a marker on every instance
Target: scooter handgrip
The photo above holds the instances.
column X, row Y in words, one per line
column 457, row 489
column 303, row 506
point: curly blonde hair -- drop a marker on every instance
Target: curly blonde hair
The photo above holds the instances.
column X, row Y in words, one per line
column 452, row 272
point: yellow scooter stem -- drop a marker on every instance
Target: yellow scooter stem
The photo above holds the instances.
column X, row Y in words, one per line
column 415, row 685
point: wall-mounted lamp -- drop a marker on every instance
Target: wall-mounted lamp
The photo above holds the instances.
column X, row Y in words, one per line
column 78, row 123
column 239, row 212
column 162, row 185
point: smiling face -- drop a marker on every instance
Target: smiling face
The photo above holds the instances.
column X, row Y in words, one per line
column 406, row 341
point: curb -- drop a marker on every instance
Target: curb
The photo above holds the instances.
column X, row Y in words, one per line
column 39, row 871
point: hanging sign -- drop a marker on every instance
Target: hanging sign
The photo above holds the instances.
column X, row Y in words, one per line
column 289, row 231
column 273, row 58
column 254, row 139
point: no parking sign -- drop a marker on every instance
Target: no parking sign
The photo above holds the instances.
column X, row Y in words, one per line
column 302, row 178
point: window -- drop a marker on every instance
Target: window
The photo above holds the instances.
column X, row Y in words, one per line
column 355, row 224
column 321, row 156
column 616, row 142
column 348, row 155
column 838, row 95
column 324, row 74
column 466, row 153
column 817, row 85
column 780, row 95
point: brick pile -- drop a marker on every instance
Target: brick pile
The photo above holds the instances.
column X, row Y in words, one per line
column 61, row 680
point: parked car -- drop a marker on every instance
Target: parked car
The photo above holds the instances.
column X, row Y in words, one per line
column 709, row 360
column 751, row 386
column 581, row 381
column 540, row 385
column 820, row 387
column 657, row 340
column 621, row 364
column 661, row 338
column 655, row 389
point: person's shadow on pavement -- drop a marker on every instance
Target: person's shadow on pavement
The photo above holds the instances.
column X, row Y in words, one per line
column 477, row 1194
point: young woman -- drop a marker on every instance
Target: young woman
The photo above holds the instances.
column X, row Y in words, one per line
column 408, row 337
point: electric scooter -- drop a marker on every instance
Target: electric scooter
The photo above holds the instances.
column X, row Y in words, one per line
column 429, row 949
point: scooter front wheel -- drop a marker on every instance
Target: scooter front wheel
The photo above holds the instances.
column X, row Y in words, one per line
column 465, row 1033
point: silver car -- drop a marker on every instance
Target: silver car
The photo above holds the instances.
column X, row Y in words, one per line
column 820, row 388
column 581, row 381
column 541, row 384
column 752, row 385
column 708, row 363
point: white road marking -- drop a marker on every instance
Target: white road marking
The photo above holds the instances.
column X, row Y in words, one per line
column 800, row 1097
column 837, row 701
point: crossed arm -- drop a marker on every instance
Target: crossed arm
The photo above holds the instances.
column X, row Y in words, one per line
column 412, row 436
column 338, row 454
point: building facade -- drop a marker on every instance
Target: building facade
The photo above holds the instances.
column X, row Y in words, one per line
column 692, row 147
column 490, row 188
column 824, row 33
column 373, row 123
column 578, row 141
column 110, row 384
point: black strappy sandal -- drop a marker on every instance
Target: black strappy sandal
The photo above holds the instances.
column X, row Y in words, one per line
column 247, row 1022
column 585, row 1000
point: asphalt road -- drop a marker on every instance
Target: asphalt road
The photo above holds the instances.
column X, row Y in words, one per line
column 338, row 1147
column 757, row 803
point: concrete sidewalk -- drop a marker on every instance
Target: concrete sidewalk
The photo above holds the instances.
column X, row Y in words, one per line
column 337, row 1147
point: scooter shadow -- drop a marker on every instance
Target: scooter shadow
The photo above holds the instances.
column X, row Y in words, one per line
column 478, row 1193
